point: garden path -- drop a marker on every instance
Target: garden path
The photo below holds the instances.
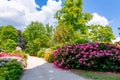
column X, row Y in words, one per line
column 39, row 69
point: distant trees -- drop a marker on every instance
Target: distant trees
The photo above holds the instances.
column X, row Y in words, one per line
column 101, row 33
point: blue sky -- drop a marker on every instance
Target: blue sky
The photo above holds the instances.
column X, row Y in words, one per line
column 107, row 8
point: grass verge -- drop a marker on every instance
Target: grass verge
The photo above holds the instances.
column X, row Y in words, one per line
column 97, row 75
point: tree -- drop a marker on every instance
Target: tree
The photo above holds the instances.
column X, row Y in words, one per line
column 71, row 14
column 101, row 33
column 21, row 40
column 8, row 32
column 49, row 33
column 8, row 37
column 71, row 18
column 62, row 34
column 33, row 31
column 37, row 36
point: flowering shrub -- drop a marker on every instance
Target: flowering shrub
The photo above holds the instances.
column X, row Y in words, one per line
column 10, row 65
column 5, row 58
column 3, row 54
column 89, row 56
column 21, row 53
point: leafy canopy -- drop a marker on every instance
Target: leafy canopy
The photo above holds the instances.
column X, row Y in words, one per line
column 37, row 36
column 72, row 14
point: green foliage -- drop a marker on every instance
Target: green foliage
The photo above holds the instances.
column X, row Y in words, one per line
column 11, row 71
column 41, row 52
column 10, row 45
column 8, row 32
column 57, row 46
column 49, row 55
column 81, row 41
column 8, row 38
column 63, row 34
column 37, row 36
column 33, row 31
column 33, row 46
column 101, row 33
column 80, row 38
column 72, row 23
column 72, row 14
column 97, row 75
column 19, row 52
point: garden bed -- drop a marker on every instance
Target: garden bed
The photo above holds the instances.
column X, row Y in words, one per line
column 11, row 66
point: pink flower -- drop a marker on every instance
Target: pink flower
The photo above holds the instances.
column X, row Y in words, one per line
column 77, row 55
column 84, row 63
column 88, row 64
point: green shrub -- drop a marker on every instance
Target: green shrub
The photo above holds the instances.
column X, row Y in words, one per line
column 10, row 45
column 1, row 50
column 41, row 52
column 49, row 55
column 57, row 46
column 3, row 73
column 11, row 71
column 19, row 52
column 81, row 41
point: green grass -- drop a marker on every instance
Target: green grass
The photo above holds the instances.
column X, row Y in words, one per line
column 98, row 75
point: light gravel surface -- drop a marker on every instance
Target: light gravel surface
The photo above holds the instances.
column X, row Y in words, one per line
column 39, row 69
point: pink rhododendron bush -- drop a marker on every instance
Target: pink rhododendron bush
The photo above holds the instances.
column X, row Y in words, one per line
column 89, row 56
column 7, row 57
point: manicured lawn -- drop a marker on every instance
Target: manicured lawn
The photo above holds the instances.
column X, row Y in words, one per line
column 98, row 75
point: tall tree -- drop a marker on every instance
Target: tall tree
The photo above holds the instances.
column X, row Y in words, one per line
column 72, row 14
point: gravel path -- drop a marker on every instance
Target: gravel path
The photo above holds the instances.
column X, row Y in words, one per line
column 39, row 69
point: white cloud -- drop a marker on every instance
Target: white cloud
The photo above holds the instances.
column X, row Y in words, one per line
column 117, row 40
column 98, row 20
column 21, row 12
